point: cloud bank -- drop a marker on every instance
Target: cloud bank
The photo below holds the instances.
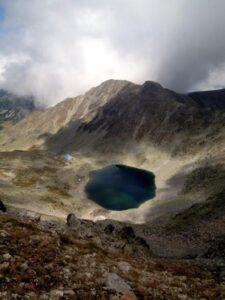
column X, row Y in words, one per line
column 55, row 49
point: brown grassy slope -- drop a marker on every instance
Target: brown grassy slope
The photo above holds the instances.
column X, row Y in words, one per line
column 39, row 263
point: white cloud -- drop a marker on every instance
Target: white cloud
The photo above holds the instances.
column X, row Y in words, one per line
column 59, row 48
column 214, row 80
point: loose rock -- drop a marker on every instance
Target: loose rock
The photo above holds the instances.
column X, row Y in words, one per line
column 72, row 220
column 114, row 282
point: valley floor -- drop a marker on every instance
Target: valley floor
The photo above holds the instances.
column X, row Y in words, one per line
column 46, row 183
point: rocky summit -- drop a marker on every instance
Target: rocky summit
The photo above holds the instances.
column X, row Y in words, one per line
column 57, row 243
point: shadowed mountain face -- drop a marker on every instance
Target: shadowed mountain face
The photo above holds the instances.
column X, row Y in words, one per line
column 210, row 99
column 137, row 113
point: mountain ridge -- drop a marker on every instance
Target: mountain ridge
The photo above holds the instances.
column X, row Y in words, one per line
column 138, row 102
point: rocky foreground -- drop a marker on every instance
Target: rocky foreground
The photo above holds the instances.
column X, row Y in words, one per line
column 86, row 260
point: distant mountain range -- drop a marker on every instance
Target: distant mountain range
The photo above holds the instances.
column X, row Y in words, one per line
column 14, row 108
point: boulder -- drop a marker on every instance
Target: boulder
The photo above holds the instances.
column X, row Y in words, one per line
column 114, row 282
column 72, row 220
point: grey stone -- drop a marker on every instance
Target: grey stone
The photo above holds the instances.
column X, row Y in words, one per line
column 114, row 282
column 7, row 256
column 56, row 293
column 124, row 266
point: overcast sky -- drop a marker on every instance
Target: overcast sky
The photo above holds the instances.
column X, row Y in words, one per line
column 59, row 48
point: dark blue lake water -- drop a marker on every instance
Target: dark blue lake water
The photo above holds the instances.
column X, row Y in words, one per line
column 119, row 187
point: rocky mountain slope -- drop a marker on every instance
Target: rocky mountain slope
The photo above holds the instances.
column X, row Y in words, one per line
column 87, row 260
column 41, row 125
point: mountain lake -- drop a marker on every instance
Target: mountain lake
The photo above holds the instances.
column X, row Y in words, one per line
column 120, row 187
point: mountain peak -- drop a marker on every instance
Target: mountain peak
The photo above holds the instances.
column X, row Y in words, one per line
column 115, row 81
column 151, row 85
column 108, row 89
column 113, row 84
